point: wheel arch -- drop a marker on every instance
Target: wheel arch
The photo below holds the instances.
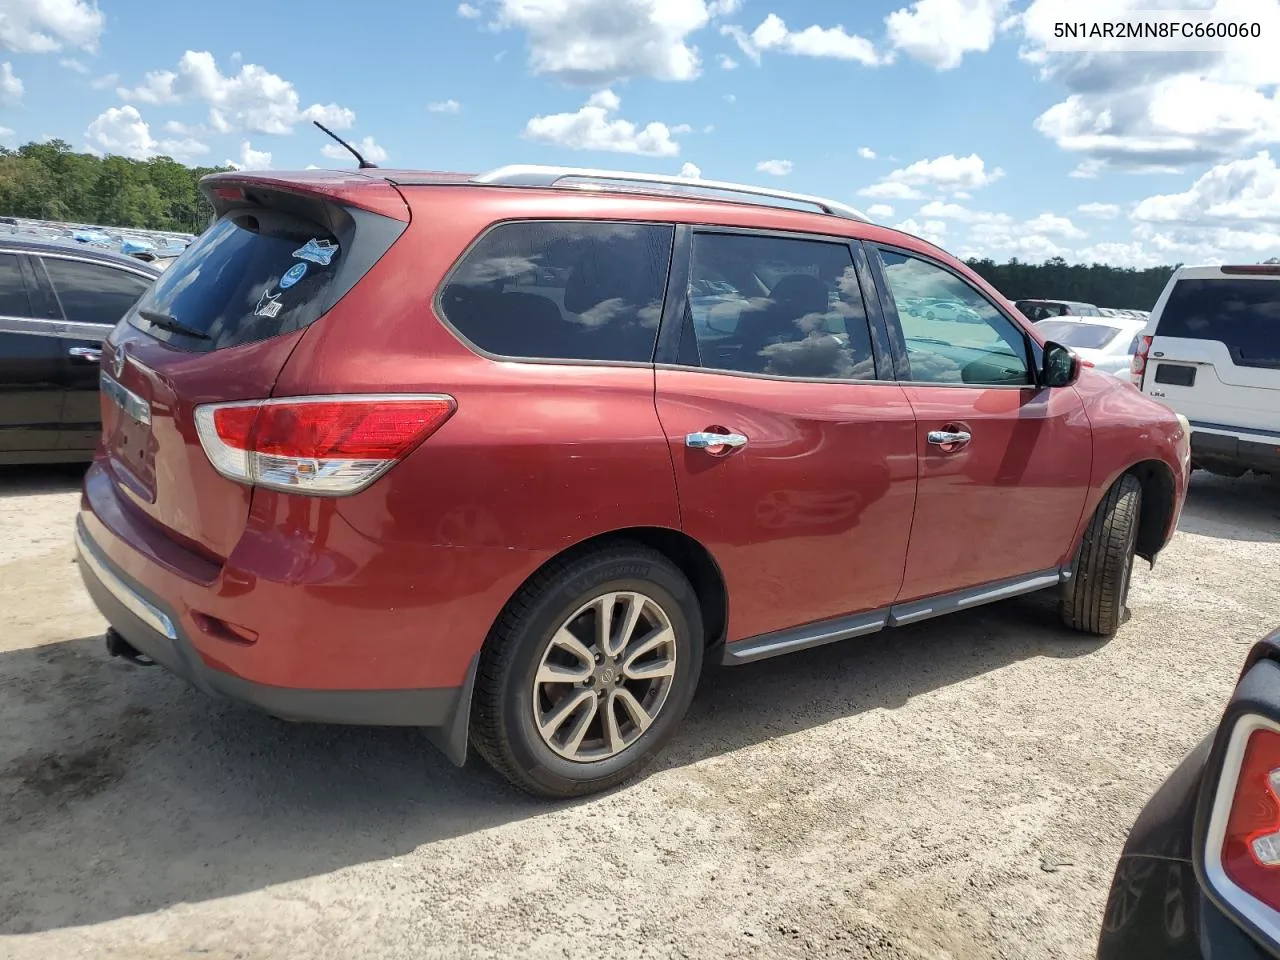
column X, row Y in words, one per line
column 1159, row 499
column 692, row 558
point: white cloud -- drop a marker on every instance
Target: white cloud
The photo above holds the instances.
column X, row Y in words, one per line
column 46, row 26
column 880, row 210
column 1119, row 254
column 930, row 230
column 1239, row 193
column 1155, row 112
column 6, row 136
column 11, row 88
column 122, row 131
column 727, row 62
column 866, row 153
column 954, row 211
column 941, row 32
column 681, row 128
column 691, row 171
column 592, row 42
column 1054, row 226
column 777, row 168
column 593, row 128
column 730, row 98
column 812, row 41
column 251, row 159
column 73, row 65
column 254, row 99
column 368, row 147
column 890, row 190
column 1102, row 211
column 709, row 128
column 106, row 80
column 947, row 173
column 468, row 11
column 444, row 106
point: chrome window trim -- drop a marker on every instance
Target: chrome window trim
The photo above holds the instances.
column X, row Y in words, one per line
column 110, row 265
column 62, row 329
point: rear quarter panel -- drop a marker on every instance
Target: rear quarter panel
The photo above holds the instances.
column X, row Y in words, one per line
column 1128, row 429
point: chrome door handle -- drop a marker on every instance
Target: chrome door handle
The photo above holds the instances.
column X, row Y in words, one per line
column 701, row 441
column 87, row 354
column 943, row 437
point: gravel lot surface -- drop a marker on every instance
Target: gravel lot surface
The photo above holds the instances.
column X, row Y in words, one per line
column 956, row 789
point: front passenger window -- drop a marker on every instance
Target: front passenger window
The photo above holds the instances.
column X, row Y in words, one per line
column 953, row 333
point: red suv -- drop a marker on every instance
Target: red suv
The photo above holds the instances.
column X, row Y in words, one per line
column 506, row 456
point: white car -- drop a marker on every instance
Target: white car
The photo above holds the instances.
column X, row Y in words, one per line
column 1106, row 343
column 1211, row 351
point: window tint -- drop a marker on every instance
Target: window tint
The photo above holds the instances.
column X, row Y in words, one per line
column 93, row 293
column 563, row 290
column 13, row 292
column 1074, row 333
column 778, row 306
column 953, row 333
column 249, row 277
column 1242, row 314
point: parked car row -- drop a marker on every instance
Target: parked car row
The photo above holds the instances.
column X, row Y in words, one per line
column 57, row 304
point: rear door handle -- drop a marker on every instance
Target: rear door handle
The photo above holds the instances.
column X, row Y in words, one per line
column 715, row 442
column 87, row 354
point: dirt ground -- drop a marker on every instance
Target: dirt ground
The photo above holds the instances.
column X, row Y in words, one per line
column 956, row 789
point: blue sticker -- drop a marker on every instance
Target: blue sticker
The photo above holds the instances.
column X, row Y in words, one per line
column 293, row 275
column 321, row 252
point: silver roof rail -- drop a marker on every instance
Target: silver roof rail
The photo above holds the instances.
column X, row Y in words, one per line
column 533, row 175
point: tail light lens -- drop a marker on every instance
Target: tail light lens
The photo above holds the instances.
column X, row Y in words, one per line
column 329, row 446
column 1251, row 846
column 1138, row 368
column 1242, row 846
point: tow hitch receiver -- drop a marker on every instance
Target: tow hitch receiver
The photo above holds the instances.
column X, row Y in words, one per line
column 118, row 646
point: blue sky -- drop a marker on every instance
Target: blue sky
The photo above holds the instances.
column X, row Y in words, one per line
column 947, row 117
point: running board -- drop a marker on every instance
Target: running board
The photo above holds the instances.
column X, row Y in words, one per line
column 899, row 615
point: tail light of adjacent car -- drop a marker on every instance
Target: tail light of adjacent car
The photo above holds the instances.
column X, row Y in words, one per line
column 326, row 446
column 1138, row 367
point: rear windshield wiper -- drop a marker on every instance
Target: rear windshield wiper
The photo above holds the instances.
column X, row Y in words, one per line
column 173, row 324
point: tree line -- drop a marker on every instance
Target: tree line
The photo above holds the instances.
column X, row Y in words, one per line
column 50, row 181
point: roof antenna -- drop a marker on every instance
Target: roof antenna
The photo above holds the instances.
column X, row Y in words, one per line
column 364, row 164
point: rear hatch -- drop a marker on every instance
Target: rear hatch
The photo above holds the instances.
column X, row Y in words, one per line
column 1215, row 352
column 219, row 325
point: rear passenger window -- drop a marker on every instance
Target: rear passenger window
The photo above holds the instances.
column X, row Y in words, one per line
column 13, row 292
column 90, row 293
column 778, row 306
column 563, row 290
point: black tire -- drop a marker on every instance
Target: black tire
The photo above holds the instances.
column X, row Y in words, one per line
column 1093, row 599
column 503, row 725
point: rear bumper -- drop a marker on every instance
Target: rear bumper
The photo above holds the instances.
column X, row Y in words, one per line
column 150, row 626
column 1245, row 450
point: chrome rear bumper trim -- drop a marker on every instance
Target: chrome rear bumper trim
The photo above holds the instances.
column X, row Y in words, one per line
column 140, row 608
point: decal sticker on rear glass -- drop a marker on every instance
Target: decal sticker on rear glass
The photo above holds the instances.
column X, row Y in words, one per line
column 293, row 275
column 269, row 305
column 320, row 252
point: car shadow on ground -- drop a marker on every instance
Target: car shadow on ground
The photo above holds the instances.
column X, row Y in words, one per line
column 1245, row 508
column 122, row 791
column 26, row 481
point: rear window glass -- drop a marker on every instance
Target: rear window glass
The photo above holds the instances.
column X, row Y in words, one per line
column 562, row 290
column 249, row 277
column 1244, row 315
column 13, row 292
column 1071, row 333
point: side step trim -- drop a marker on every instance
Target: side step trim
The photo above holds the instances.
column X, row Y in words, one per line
column 861, row 624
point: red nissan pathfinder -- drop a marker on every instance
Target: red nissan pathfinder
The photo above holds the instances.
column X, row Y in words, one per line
column 509, row 456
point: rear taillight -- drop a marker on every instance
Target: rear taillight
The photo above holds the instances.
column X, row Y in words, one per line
column 1138, row 368
column 1251, row 844
column 317, row 445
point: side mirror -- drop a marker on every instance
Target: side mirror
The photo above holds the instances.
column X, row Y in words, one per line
column 1061, row 367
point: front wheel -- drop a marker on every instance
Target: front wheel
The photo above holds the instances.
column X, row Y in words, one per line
column 1093, row 600
column 588, row 672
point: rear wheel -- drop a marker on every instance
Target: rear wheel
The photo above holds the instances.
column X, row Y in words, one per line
column 588, row 672
column 1093, row 599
